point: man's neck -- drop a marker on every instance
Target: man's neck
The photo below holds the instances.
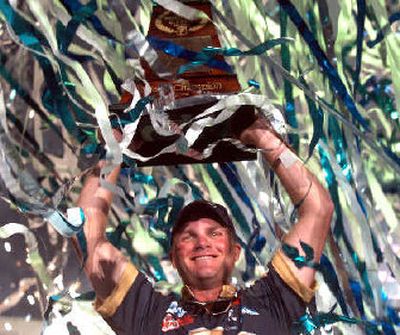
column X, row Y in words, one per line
column 205, row 295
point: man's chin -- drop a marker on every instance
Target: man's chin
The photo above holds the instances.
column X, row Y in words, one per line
column 207, row 277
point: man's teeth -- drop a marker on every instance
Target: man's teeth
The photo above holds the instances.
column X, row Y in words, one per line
column 203, row 257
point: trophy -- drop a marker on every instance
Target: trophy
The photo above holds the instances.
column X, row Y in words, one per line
column 187, row 95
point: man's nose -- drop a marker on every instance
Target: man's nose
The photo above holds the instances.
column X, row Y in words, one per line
column 202, row 241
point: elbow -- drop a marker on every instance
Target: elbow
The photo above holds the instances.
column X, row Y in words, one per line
column 329, row 205
column 326, row 208
column 98, row 254
column 102, row 256
column 104, row 268
column 319, row 206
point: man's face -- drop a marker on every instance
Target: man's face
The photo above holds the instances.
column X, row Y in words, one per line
column 204, row 254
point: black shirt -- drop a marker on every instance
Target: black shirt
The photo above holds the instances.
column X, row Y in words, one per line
column 270, row 306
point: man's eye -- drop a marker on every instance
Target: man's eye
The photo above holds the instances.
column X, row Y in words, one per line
column 186, row 237
column 216, row 233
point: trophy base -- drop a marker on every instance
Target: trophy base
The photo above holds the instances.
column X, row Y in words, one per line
column 148, row 143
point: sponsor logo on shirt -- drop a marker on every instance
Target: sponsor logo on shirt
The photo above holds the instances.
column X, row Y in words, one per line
column 215, row 331
column 175, row 318
column 249, row 311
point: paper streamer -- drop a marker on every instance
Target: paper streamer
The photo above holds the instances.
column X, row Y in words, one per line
column 330, row 66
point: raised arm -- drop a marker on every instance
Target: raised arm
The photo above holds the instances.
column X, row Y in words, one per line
column 315, row 207
column 105, row 263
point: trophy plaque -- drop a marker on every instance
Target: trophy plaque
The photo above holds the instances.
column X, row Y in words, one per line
column 202, row 81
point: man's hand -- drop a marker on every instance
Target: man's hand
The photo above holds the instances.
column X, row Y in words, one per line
column 117, row 133
column 262, row 135
column 260, row 130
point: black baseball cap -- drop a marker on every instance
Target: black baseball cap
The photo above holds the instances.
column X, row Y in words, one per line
column 199, row 209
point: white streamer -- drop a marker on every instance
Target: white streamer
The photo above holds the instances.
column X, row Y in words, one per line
column 187, row 12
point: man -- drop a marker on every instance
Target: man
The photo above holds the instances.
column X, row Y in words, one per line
column 204, row 251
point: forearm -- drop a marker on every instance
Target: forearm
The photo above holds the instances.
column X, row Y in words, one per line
column 104, row 263
column 96, row 202
column 304, row 189
column 310, row 198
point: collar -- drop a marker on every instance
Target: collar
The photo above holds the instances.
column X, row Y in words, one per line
column 227, row 292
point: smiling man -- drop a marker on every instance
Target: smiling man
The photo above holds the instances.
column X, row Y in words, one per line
column 204, row 250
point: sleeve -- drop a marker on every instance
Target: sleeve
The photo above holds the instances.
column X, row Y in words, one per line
column 130, row 304
column 282, row 294
column 286, row 275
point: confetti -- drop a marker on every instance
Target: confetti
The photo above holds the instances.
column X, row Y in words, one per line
column 329, row 68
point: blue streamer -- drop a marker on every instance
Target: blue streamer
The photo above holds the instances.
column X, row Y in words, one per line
column 384, row 31
column 331, row 279
column 250, row 261
column 380, row 91
column 333, row 190
column 392, row 314
column 236, row 212
column 55, row 101
column 27, row 33
column 28, row 99
column 312, row 95
column 388, row 329
column 290, row 108
column 230, row 173
column 298, row 260
column 157, row 268
column 254, row 83
column 308, row 323
column 133, row 114
column 62, row 225
column 392, row 155
column 257, row 50
column 317, row 116
column 256, row 241
column 356, row 289
column 329, row 70
column 75, row 7
column 140, row 177
column 206, row 56
column 340, row 147
column 339, row 232
column 196, row 191
column 78, row 17
column 53, row 97
column 161, row 206
column 361, row 14
column 65, row 35
column 176, row 50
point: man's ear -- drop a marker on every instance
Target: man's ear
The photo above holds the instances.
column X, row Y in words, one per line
column 172, row 257
column 237, row 249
